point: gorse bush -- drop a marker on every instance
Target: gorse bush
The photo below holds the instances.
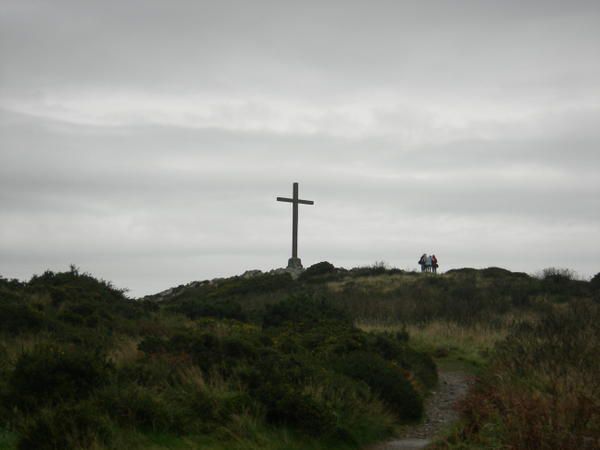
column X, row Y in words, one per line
column 319, row 272
column 67, row 426
column 49, row 375
column 18, row 318
column 302, row 310
column 386, row 379
column 221, row 309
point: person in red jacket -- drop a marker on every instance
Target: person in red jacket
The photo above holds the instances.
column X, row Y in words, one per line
column 434, row 264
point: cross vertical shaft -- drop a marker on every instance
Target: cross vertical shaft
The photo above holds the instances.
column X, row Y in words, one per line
column 294, row 261
column 295, row 223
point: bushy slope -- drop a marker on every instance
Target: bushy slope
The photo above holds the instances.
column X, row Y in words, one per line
column 256, row 361
column 83, row 366
column 541, row 389
column 387, row 295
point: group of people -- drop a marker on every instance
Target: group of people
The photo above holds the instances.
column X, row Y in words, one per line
column 428, row 263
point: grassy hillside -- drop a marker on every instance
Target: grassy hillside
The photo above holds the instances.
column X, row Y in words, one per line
column 336, row 359
column 82, row 366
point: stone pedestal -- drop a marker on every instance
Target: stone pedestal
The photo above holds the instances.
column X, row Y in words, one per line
column 294, row 263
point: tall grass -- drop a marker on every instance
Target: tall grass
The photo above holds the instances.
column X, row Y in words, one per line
column 445, row 339
column 542, row 389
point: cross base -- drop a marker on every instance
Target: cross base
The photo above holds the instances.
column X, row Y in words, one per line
column 294, row 263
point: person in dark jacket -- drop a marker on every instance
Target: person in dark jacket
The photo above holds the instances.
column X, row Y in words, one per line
column 423, row 261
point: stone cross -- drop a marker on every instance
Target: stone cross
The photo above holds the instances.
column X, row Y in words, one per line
column 294, row 262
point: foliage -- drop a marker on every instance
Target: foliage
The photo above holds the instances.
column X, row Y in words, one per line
column 231, row 361
column 301, row 310
column 18, row 318
column 101, row 363
column 318, row 272
column 67, row 426
column 385, row 379
column 595, row 282
column 542, row 389
column 50, row 375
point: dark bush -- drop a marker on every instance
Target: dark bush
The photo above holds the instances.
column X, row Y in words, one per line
column 66, row 427
column 209, row 351
column 131, row 405
column 495, row 272
column 462, row 271
column 595, row 282
column 15, row 318
column 153, row 344
column 219, row 309
column 396, row 350
column 259, row 284
column 50, row 375
column 387, row 380
column 291, row 407
column 76, row 286
column 301, row 309
column 558, row 275
column 318, row 270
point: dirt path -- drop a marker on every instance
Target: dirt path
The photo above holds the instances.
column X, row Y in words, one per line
column 439, row 413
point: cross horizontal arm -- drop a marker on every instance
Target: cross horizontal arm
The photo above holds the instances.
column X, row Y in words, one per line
column 291, row 200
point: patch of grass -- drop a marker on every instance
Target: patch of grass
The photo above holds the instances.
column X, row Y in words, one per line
column 451, row 344
column 8, row 440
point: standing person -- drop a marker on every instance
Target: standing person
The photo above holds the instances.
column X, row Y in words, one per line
column 434, row 263
column 428, row 263
column 422, row 261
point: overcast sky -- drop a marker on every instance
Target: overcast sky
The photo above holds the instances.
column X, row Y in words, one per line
column 145, row 141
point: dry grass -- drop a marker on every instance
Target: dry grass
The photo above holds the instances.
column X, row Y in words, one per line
column 382, row 284
column 193, row 376
column 125, row 351
column 14, row 347
column 445, row 339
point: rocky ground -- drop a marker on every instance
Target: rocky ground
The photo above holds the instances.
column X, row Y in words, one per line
column 440, row 412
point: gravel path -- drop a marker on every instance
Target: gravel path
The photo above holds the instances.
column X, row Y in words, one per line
column 439, row 413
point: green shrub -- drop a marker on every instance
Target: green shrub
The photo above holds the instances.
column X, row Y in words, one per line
column 49, row 375
column 202, row 307
column 291, row 407
column 396, row 350
column 257, row 284
column 386, row 379
column 135, row 406
column 66, row 427
column 318, row 271
column 302, row 309
column 16, row 318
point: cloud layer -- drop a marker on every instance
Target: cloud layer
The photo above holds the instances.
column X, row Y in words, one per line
column 147, row 141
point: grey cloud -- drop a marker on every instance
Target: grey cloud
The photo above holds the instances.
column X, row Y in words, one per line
column 464, row 128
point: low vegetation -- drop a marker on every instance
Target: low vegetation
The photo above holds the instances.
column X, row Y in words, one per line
column 82, row 366
column 541, row 389
column 336, row 359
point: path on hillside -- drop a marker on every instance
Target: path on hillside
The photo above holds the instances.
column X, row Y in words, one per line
column 440, row 412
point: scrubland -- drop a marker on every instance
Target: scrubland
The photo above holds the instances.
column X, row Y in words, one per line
column 82, row 366
column 336, row 359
